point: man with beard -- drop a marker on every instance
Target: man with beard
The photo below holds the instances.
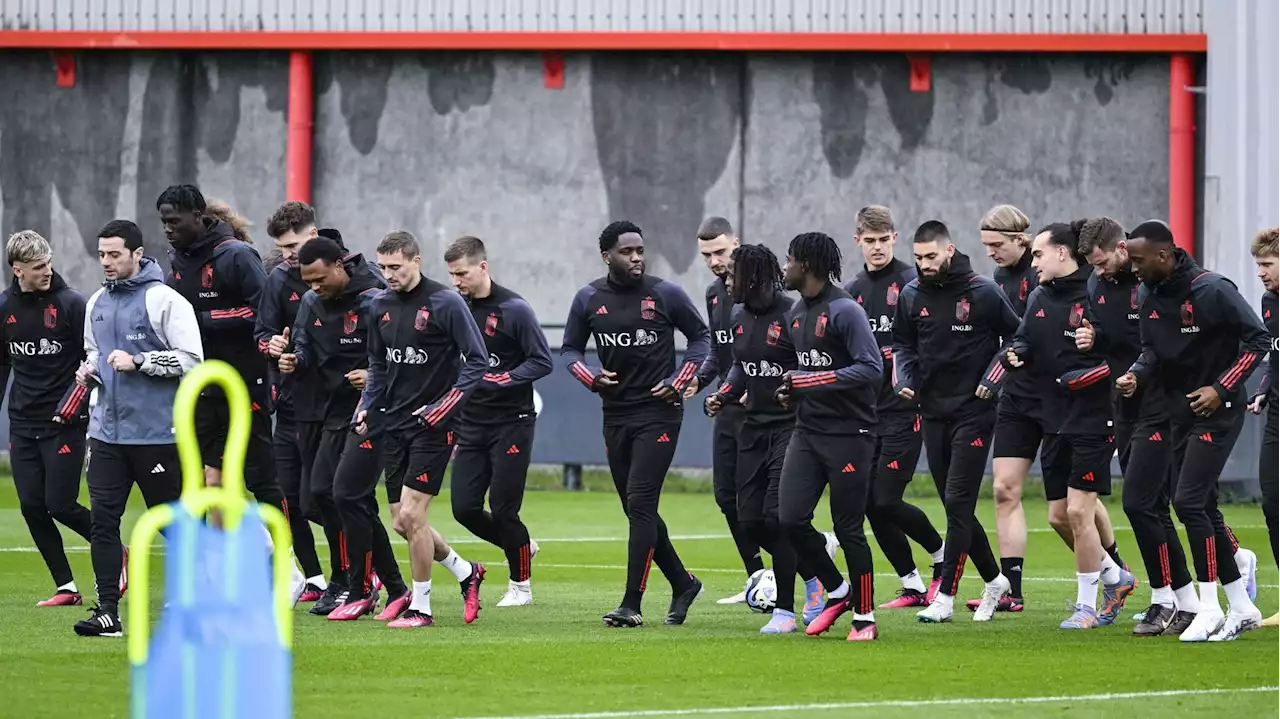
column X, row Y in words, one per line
column 1202, row 341
column 946, row 332
column 898, row 442
column 716, row 243
column 633, row 318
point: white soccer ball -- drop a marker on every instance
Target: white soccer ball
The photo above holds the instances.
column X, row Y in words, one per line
column 762, row 591
column 537, row 403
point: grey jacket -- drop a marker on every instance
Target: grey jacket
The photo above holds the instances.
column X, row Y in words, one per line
column 140, row 315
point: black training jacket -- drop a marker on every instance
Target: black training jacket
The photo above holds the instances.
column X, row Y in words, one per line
column 1267, row 386
column 223, row 279
column 839, row 363
column 878, row 292
column 42, row 345
column 425, row 356
column 1197, row 331
column 762, row 353
column 282, row 295
column 634, row 327
column 1018, row 282
column 946, row 336
column 517, row 355
column 719, row 308
column 1077, row 400
column 330, row 338
column 1115, row 303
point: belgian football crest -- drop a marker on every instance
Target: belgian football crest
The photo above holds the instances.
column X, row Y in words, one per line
column 774, row 333
column 349, row 322
column 206, row 276
column 820, row 327
column 891, row 295
column 420, row 319
column 647, row 308
column 1133, row 298
column 1075, row 316
column 50, row 317
column 1022, row 290
column 491, row 324
column 962, row 310
column 1188, row 313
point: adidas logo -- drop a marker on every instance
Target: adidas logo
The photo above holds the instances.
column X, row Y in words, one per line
column 977, row 443
column 293, row 297
column 603, row 310
column 255, row 407
column 848, row 468
column 1154, row 315
column 1102, row 300
column 1016, row 568
column 12, row 320
column 924, row 311
column 1088, row 477
column 516, row 450
column 664, row 438
column 64, row 449
column 367, row 444
column 1206, row 437
column 1040, row 313
column 423, row 478
column 317, row 323
column 893, row 464
column 158, row 469
column 386, row 317
column 1155, row 438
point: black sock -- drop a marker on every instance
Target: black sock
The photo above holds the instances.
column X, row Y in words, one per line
column 1115, row 555
column 1011, row 568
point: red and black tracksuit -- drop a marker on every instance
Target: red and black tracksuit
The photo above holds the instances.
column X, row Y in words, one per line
column 899, row 438
column 1268, row 471
column 1021, row 423
column 1197, row 331
column 633, row 326
column 946, row 335
column 42, row 345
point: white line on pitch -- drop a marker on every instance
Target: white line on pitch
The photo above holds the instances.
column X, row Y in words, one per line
column 887, row 704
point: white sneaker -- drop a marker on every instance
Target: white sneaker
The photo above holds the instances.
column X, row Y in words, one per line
column 739, row 598
column 1205, row 625
column 533, row 549
column 991, row 599
column 516, row 596
column 938, row 612
column 1236, row 623
column 1247, row 563
column 833, row 544
column 297, row 584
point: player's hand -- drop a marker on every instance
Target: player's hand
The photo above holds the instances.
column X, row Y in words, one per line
column 743, row 399
column 1127, row 384
column 1014, row 360
column 1205, row 401
column 607, row 379
column 1084, row 336
column 421, row 413
column 712, row 404
column 907, row 393
column 983, row 392
column 279, row 343
column 665, row 392
column 691, row 389
column 1256, row 405
column 121, row 361
column 783, row 394
column 357, row 377
column 84, row 372
column 287, row 363
column 362, row 422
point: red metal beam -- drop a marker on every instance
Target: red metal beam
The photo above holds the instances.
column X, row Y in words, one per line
column 568, row 41
column 1182, row 153
column 301, row 123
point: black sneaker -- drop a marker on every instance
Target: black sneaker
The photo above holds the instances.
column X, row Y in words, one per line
column 328, row 601
column 1178, row 624
column 1156, row 620
column 681, row 602
column 623, row 618
column 101, row 623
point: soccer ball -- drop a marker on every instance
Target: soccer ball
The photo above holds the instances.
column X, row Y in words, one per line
column 762, row 591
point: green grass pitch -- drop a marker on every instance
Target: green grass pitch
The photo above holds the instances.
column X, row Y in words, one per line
column 556, row 658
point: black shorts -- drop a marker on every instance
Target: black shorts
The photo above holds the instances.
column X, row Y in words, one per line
column 417, row 459
column 1077, row 461
column 213, row 420
column 1019, row 430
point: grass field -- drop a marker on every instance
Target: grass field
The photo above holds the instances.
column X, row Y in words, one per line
column 556, row 658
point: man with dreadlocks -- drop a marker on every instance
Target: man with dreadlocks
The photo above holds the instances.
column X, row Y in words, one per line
column 834, row 391
column 946, row 330
column 762, row 354
column 633, row 319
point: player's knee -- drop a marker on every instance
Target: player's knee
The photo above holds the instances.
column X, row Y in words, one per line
column 758, row 530
column 1059, row 516
column 1008, row 490
column 1187, row 508
column 1080, row 514
column 33, row 510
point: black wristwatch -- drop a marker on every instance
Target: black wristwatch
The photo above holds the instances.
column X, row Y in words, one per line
column 138, row 359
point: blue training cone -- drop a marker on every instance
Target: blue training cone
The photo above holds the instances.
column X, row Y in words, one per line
column 222, row 647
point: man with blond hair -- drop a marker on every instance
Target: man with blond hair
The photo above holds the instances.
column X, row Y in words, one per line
column 1264, row 251
column 40, row 344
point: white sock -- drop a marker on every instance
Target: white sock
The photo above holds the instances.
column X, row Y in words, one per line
column 421, row 597
column 994, row 582
column 69, row 587
column 938, row 556
column 1238, row 597
column 840, row 593
column 319, row 581
column 1187, row 599
column 868, row 617
column 913, row 581
column 1209, row 598
column 1110, row 570
column 1087, row 589
column 1163, row 596
column 460, row 568
column 518, row 585
column 945, row 601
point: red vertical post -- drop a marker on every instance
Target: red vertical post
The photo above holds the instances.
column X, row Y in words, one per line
column 301, row 124
column 1182, row 153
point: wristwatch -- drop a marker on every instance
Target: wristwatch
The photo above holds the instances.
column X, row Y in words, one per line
column 138, row 359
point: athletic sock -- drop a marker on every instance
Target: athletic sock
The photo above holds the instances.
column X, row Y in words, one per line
column 1114, row 553
column 868, row 617
column 1209, row 598
column 1164, row 597
column 913, row 582
column 840, row 592
column 938, row 556
column 69, row 587
column 319, row 581
column 421, row 597
column 1011, row 568
column 1187, row 599
column 1087, row 589
column 460, row 568
column 1110, row 570
column 1238, row 597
